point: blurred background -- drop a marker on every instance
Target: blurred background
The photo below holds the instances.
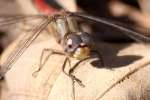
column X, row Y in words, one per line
column 134, row 14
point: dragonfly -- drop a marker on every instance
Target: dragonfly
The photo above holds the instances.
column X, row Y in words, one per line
column 67, row 33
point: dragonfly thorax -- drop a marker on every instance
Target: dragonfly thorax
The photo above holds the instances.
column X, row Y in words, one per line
column 63, row 25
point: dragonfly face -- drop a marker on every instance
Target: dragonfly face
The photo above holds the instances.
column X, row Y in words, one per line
column 78, row 46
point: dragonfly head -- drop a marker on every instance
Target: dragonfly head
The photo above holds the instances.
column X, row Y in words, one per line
column 78, row 45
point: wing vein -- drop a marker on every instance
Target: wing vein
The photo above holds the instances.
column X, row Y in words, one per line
column 8, row 20
column 22, row 46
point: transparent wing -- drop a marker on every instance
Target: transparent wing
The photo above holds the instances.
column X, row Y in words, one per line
column 6, row 20
column 139, row 37
column 22, row 46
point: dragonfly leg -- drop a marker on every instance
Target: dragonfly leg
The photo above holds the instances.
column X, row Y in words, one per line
column 71, row 71
column 74, row 78
column 42, row 63
column 100, row 57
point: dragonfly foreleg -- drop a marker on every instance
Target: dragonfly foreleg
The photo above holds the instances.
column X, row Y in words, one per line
column 42, row 63
column 71, row 71
column 74, row 78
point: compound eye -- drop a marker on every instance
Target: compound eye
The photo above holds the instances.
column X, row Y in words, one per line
column 86, row 38
column 73, row 41
column 69, row 43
